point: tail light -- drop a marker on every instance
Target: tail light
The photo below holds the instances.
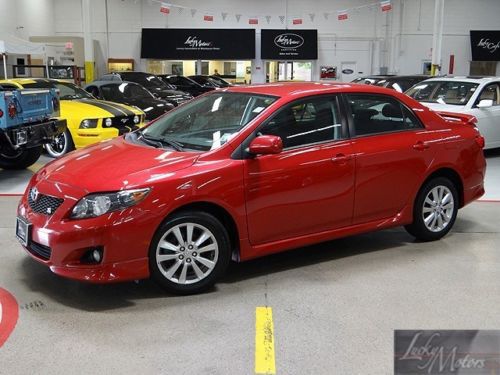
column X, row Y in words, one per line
column 480, row 141
column 11, row 108
column 1, row 113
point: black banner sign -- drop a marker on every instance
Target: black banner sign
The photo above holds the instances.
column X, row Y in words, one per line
column 289, row 44
column 485, row 45
column 193, row 44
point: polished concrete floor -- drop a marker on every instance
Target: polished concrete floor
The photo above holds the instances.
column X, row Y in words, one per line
column 335, row 305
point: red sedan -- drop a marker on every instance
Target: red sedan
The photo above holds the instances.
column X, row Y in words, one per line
column 248, row 171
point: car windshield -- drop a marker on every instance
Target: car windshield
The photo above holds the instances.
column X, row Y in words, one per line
column 146, row 80
column 67, row 91
column 208, row 122
column 443, row 92
column 124, row 91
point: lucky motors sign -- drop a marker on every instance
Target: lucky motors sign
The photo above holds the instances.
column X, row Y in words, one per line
column 289, row 44
column 193, row 44
column 485, row 45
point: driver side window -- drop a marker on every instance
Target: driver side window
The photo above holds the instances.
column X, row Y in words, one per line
column 307, row 121
column 490, row 92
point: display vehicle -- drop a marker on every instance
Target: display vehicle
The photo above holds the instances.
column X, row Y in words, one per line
column 28, row 120
column 132, row 94
column 245, row 172
column 186, row 84
column 476, row 96
column 88, row 120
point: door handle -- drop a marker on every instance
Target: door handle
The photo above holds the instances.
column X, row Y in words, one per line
column 341, row 158
column 421, row 146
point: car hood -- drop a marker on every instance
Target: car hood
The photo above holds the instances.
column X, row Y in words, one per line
column 150, row 106
column 115, row 165
column 91, row 108
column 169, row 92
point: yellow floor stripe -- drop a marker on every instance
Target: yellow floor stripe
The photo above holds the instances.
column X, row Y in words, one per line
column 264, row 341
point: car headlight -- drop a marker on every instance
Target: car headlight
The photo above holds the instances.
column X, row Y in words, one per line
column 108, row 122
column 88, row 124
column 137, row 119
column 94, row 205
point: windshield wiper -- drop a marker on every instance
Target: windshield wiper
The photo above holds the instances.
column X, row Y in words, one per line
column 161, row 141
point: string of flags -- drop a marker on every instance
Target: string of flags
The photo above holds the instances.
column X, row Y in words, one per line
column 298, row 19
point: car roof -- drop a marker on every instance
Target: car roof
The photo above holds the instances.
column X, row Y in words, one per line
column 410, row 76
column 300, row 89
column 472, row 79
column 104, row 83
column 22, row 81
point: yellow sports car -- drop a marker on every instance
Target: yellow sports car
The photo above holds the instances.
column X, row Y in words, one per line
column 89, row 120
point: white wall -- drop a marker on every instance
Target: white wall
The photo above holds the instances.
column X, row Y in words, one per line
column 400, row 40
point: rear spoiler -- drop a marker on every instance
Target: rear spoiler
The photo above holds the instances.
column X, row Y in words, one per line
column 458, row 117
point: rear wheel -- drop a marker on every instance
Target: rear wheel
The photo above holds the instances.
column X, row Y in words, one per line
column 19, row 159
column 435, row 210
column 189, row 252
column 61, row 145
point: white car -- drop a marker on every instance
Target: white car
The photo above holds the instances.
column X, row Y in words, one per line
column 475, row 96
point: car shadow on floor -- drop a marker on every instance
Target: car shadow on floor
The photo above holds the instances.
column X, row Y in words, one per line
column 103, row 297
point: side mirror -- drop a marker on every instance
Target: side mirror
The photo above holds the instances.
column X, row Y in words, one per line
column 485, row 103
column 266, row 145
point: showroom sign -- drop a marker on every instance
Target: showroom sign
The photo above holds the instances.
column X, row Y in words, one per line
column 485, row 45
column 289, row 44
column 194, row 44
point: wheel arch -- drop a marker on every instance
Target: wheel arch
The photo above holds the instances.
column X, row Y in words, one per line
column 219, row 213
column 453, row 176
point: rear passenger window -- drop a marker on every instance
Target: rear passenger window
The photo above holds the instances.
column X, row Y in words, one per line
column 306, row 121
column 380, row 114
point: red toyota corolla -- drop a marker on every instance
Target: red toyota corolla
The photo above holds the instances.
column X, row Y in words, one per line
column 249, row 171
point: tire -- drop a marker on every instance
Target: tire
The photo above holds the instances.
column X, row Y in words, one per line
column 435, row 210
column 175, row 261
column 62, row 144
column 20, row 159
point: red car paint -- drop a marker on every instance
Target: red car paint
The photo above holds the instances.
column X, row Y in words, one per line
column 295, row 198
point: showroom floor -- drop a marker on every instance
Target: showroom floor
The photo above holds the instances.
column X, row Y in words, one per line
column 335, row 305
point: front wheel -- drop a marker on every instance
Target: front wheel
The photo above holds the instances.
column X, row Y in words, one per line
column 435, row 210
column 60, row 145
column 189, row 252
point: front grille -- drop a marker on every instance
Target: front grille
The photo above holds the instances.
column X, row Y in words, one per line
column 39, row 250
column 122, row 121
column 43, row 204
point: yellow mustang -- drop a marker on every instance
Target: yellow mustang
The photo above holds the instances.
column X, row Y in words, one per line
column 89, row 120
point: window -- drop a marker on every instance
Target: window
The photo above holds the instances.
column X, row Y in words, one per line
column 306, row 121
column 380, row 114
column 443, row 92
column 490, row 92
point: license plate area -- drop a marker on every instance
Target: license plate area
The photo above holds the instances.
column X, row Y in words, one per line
column 20, row 137
column 23, row 230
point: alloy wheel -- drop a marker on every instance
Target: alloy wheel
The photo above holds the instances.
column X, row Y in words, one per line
column 438, row 208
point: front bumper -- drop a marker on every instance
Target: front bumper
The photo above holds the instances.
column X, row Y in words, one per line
column 60, row 243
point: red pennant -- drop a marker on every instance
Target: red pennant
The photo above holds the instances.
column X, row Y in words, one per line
column 297, row 21
column 385, row 6
column 342, row 16
column 253, row 21
column 208, row 18
column 164, row 9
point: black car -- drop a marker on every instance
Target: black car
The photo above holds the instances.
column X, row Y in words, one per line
column 185, row 84
column 401, row 83
column 373, row 79
column 151, row 82
column 130, row 93
column 210, row 81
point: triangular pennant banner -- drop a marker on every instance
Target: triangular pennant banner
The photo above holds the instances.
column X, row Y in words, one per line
column 164, row 8
column 193, row 12
column 342, row 15
column 268, row 19
column 312, row 16
column 282, row 19
column 180, row 10
column 326, row 15
column 224, row 15
column 238, row 16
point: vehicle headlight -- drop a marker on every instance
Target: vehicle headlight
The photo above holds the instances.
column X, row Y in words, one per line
column 137, row 119
column 108, row 122
column 94, row 205
column 88, row 124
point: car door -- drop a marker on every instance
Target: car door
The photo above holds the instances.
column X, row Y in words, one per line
column 308, row 187
column 392, row 153
column 489, row 117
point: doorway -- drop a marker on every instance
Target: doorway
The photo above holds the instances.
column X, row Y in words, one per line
column 277, row 71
